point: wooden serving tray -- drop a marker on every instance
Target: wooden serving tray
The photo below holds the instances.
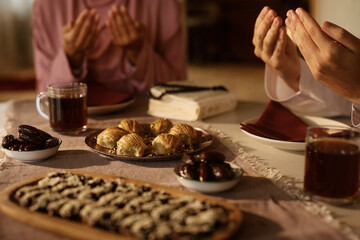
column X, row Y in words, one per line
column 77, row 230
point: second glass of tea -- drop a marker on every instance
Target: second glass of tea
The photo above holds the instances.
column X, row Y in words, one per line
column 67, row 107
column 332, row 163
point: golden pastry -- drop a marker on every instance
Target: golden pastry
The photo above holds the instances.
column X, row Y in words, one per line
column 110, row 136
column 130, row 126
column 185, row 132
column 161, row 125
column 131, row 144
column 166, row 144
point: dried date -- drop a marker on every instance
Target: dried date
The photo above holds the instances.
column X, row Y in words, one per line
column 22, row 147
column 29, row 139
column 221, row 171
column 31, row 147
column 205, row 166
column 30, row 131
column 52, row 142
column 187, row 171
column 190, row 159
column 204, row 172
column 27, row 129
column 8, row 141
column 211, row 157
column 15, row 145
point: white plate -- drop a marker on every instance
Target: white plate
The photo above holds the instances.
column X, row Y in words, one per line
column 32, row 156
column 95, row 110
column 286, row 145
column 211, row 186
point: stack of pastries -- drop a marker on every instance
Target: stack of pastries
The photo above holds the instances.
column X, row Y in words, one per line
column 123, row 207
column 159, row 138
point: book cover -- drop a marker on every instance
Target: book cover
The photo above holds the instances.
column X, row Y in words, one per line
column 189, row 104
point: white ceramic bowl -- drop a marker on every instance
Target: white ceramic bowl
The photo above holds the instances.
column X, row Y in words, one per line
column 211, row 186
column 32, row 156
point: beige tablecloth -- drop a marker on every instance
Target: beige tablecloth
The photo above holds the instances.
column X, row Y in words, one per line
column 269, row 213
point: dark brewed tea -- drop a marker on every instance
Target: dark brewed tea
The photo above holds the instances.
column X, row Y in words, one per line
column 332, row 168
column 68, row 114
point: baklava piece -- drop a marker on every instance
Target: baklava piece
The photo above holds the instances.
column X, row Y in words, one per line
column 72, row 208
column 166, row 144
column 162, row 230
column 130, row 126
column 43, row 200
column 131, row 145
column 142, row 228
column 121, row 200
column 100, row 216
column 160, row 126
column 185, row 132
column 110, row 136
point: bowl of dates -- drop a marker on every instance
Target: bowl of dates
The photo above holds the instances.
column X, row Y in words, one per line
column 30, row 145
column 208, row 172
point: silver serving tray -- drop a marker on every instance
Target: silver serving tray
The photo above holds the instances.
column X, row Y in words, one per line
column 205, row 139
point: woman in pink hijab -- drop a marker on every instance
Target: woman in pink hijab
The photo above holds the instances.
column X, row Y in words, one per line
column 125, row 45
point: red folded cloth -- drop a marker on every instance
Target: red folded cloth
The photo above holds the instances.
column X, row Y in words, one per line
column 100, row 95
column 279, row 123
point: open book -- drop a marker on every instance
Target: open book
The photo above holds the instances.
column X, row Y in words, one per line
column 190, row 103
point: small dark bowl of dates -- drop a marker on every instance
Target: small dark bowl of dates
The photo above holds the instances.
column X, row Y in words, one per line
column 30, row 145
column 208, row 172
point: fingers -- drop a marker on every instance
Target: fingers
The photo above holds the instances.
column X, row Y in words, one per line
column 93, row 33
column 65, row 29
column 123, row 29
column 120, row 23
column 307, row 33
column 300, row 35
column 79, row 23
column 280, row 46
column 342, row 36
column 85, row 31
column 261, row 16
column 129, row 24
column 271, row 37
column 313, row 28
column 112, row 27
column 261, row 31
column 116, row 26
column 97, row 32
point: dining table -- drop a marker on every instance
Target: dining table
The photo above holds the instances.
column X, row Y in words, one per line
column 270, row 194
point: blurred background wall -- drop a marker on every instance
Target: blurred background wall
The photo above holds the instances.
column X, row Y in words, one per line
column 15, row 35
column 345, row 13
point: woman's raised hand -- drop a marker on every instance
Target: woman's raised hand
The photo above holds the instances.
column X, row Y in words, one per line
column 80, row 35
column 126, row 32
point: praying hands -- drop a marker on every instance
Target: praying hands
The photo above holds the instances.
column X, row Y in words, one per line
column 81, row 34
column 331, row 52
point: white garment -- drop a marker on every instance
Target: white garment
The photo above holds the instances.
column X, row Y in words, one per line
column 313, row 98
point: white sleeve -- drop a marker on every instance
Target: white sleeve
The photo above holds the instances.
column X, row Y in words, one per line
column 313, row 98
